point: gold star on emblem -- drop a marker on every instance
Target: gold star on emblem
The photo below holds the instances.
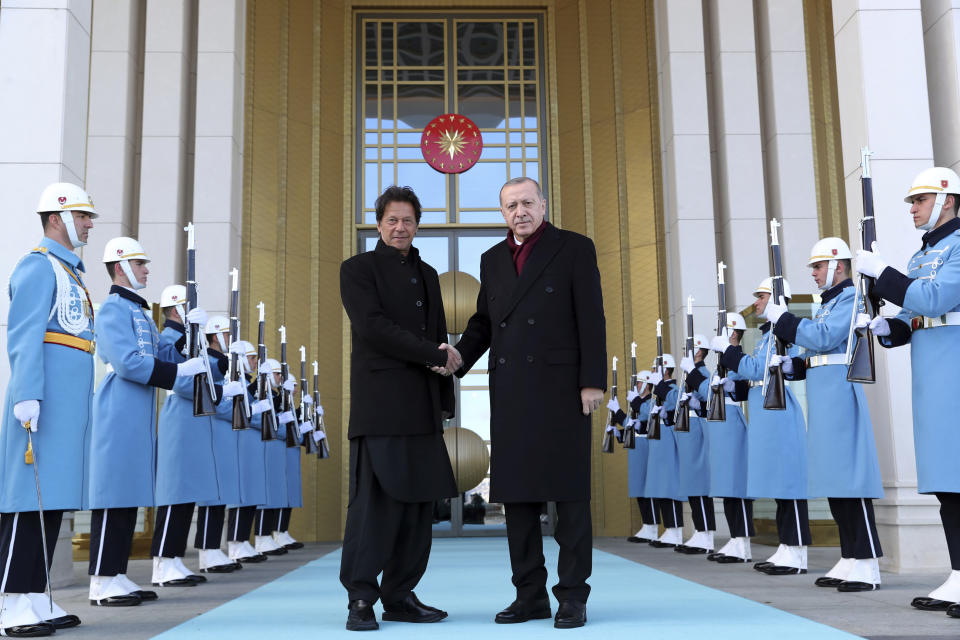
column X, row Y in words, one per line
column 451, row 142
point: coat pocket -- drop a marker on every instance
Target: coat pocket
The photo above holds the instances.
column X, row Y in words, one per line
column 563, row 356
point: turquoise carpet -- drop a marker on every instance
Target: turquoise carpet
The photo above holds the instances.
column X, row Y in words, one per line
column 470, row 578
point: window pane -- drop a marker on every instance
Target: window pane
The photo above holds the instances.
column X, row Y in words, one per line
column 482, row 103
column 479, row 186
column 529, row 44
column 428, row 184
column 435, row 250
column 515, row 106
column 469, row 250
column 386, row 106
column 480, row 44
column 370, row 186
column 370, row 44
column 492, row 153
column 419, row 44
column 480, row 75
column 530, row 106
column 481, row 217
column 475, row 411
column 371, row 101
column 386, row 44
column 513, row 43
column 404, row 137
column 493, row 137
column 417, row 105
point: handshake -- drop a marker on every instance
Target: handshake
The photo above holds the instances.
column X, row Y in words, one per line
column 454, row 361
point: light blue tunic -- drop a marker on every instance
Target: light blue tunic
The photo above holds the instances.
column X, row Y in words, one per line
column 663, row 465
column 60, row 377
column 252, row 465
column 728, row 451
column 186, row 468
column 637, row 460
column 841, row 453
column 693, row 451
column 275, row 470
column 123, row 436
column 225, row 444
column 294, row 490
column 934, row 354
column 776, row 439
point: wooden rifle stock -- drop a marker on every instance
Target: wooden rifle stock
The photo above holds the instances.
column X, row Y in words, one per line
column 774, row 391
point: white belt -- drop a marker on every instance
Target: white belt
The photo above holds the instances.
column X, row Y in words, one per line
column 731, row 402
column 923, row 322
column 756, row 383
column 826, row 359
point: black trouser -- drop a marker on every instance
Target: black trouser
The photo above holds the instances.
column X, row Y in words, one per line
column 21, row 550
column 285, row 519
column 574, row 534
column 739, row 515
column 209, row 527
column 857, row 527
column 648, row 511
column 793, row 522
column 385, row 535
column 701, row 510
column 950, row 517
column 268, row 521
column 171, row 530
column 239, row 522
column 671, row 512
column 111, row 539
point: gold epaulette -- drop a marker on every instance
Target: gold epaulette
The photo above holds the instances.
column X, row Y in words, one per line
column 38, row 250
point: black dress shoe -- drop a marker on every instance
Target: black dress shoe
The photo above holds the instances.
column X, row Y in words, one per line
column 760, row 566
column 361, row 616
column 144, row 595
column 521, row 611
column 128, row 600
column 257, row 558
column 954, row 610
column 220, row 568
column 293, row 545
column 65, row 622
column 926, row 603
column 276, row 552
column 29, row 630
column 713, row 555
column 827, row 582
column 195, row 578
column 731, row 560
column 690, row 551
column 781, row 570
column 570, row 615
column 851, row 586
column 637, row 540
column 410, row 609
column 656, row 544
column 178, row 582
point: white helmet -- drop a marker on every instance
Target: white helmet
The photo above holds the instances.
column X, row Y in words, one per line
column 219, row 325
column 248, row 348
column 700, row 342
column 123, row 250
column 274, row 365
column 938, row 180
column 736, row 321
column 174, row 295
column 766, row 286
column 668, row 362
column 64, row 196
column 643, row 376
column 831, row 250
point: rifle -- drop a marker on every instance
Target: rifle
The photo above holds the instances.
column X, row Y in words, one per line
column 240, row 419
column 608, row 433
column 629, row 432
column 204, row 390
column 306, row 411
column 320, row 429
column 861, row 365
column 681, row 412
column 774, row 394
column 653, row 422
column 292, row 435
column 268, row 419
column 718, row 404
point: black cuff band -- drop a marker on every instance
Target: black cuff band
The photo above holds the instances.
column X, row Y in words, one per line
column 892, row 285
column 164, row 374
column 786, row 327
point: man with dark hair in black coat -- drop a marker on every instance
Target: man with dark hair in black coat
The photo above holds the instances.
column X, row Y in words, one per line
column 398, row 461
column 540, row 312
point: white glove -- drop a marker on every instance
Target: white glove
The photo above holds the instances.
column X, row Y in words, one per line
column 290, row 384
column 264, row 368
column 197, row 316
column 880, row 326
column 784, row 362
column 686, row 363
column 260, row 406
column 233, row 388
column 613, row 405
column 655, row 379
column 285, row 417
column 631, row 395
column 693, row 401
column 27, row 411
column 773, row 311
column 869, row 263
column 728, row 385
column 719, row 343
column 862, row 321
column 307, row 399
column 653, row 409
column 191, row 367
column 663, row 412
column 238, row 348
column 319, row 410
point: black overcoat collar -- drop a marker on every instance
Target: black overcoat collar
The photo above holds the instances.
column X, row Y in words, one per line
column 504, row 270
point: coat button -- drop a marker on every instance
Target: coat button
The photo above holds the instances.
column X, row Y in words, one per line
column 492, row 298
column 529, row 358
column 423, row 327
column 502, row 360
column 531, row 321
column 413, row 280
column 549, row 289
column 419, row 303
column 503, row 324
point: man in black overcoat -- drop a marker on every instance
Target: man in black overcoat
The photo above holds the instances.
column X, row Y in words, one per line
column 540, row 312
column 398, row 461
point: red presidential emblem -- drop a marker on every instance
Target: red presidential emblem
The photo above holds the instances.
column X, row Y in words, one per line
column 834, row 251
column 61, row 200
column 943, row 183
column 451, row 143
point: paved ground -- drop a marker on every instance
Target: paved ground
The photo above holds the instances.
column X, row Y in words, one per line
column 881, row 615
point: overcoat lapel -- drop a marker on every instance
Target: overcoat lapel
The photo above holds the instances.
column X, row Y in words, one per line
column 543, row 252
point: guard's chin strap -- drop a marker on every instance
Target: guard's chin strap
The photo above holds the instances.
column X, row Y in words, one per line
column 182, row 312
column 935, row 212
column 831, row 274
column 127, row 271
column 71, row 229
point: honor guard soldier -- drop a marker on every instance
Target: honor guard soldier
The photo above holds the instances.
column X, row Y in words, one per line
column 728, row 456
column 841, row 453
column 211, row 513
column 251, row 464
column 123, row 443
column 663, row 466
column 929, row 320
column 47, row 411
column 637, row 463
column 693, row 453
column 275, row 468
column 294, row 490
column 186, row 468
column 776, row 445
